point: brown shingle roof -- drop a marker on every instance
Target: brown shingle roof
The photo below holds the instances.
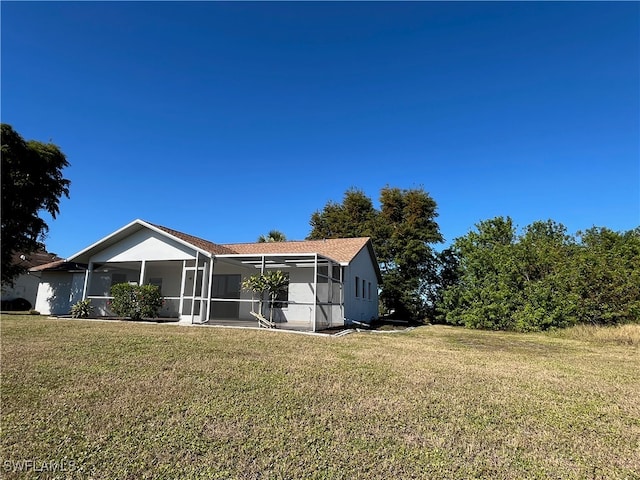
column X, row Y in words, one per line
column 338, row 249
column 34, row 259
column 196, row 242
column 342, row 250
column 60, row 266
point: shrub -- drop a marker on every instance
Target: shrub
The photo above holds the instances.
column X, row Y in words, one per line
column 136, row 301
column 81, row 309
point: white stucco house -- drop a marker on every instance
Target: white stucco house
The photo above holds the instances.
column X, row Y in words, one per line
column 332, row 282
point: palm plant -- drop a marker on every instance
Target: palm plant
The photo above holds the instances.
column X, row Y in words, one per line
column 272, row 236
column 271, row 283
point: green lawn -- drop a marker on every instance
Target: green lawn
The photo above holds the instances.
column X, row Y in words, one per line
column 132, row 400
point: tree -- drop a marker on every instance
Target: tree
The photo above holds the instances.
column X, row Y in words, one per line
column 542, row 278
column 405, row 229
column 354, row 217
column 32, row 181
column 608, row 276
column 272, row 236
column 271, row 284
column 446, row 275
column 546, row 259
column 482, row 297
column 401, row 233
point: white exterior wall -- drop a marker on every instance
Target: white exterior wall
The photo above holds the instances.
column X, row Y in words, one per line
column 101, row 281
column 171, row 275
column 301, row 297
column 25, row 286
column 144, row 244
column 58, row 291
column 358, row 308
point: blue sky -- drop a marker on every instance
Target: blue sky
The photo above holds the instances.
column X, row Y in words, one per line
column 227, row 120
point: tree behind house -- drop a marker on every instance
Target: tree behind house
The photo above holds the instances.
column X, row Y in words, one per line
column 401, row 232
column 31, row 182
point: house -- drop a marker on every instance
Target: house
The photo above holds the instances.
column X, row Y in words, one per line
column 332, row 282
column 22, row 294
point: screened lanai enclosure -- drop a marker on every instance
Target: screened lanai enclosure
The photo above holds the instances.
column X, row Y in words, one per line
column 209, row 290
column 328, row 282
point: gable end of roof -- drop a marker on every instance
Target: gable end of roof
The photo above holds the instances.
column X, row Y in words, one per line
column 200, row 243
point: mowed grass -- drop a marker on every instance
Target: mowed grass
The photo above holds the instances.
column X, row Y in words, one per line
column 132, row 400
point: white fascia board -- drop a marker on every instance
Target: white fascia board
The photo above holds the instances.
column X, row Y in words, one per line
column 236, row 256
column 289, row 254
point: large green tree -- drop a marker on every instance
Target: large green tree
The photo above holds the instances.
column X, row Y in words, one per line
column 402, row 232
column 542, row 278
column 32, row 182
column 608, row 276
column 354, row 217
column 481, row 297
column 545, row 257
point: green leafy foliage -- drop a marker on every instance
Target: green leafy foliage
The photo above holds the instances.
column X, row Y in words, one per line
column 81, row 309
column 541, row 279
column 272, row 236
column 401, row 233
column 136, row 301
column 31, row 182
column 354, row 217
column 608, row 276
column 271, row 284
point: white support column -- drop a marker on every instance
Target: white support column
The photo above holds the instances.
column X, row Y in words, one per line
column 182, row 285
column 342, row 292
column 330, row 291
column 193, row 289
column 211, row 264
column 261, row 300
column 203, row 290
column 143, row 268
column 86, row 280
column 315, row 292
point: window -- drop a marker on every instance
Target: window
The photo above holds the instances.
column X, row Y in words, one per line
column 357, row 287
